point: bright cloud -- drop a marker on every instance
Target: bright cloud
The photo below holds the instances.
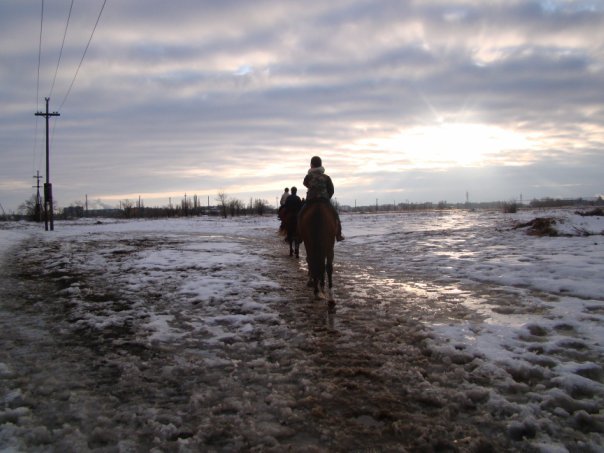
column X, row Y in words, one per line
column 449, row 145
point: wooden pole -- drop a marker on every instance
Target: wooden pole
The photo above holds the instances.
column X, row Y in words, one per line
column 48, row 207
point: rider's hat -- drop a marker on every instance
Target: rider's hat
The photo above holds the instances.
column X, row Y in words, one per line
column 316, row 162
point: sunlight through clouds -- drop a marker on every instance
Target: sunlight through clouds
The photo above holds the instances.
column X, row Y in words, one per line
column 449, row 145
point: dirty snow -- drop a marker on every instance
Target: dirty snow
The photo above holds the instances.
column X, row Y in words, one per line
column 454, row 331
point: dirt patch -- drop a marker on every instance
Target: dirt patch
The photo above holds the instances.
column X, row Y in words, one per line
column 540, row 226
column 594, row 212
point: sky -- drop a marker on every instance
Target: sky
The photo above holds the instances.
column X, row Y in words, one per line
column 405, row 101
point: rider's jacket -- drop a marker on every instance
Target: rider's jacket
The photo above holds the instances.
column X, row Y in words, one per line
column 293, row 203
column 319, row 184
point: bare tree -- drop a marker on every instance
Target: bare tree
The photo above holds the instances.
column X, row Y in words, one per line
column 32, row 208
column 222, row 200
column 261, row 206
column 128, row 207
column 235, row 207
column 29, row 208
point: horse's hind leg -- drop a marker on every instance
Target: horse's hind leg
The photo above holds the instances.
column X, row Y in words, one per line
column 329, row 269
column 331, row 303
column 318, row 290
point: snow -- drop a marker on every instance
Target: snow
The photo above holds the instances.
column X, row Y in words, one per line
column 526, row 311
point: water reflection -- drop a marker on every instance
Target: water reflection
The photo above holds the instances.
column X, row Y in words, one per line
column 434, row 303
column 428, row 266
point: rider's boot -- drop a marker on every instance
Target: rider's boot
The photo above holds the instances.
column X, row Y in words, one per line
column 339, row 236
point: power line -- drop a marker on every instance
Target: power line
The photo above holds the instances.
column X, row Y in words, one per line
column 57, row 68
column 60, row 55
column 38, row 84
column 39, row 55
column 83, row 55
column 33, row 159
column 61, row 52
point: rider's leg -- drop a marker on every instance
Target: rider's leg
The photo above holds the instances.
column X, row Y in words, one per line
column 339, row 236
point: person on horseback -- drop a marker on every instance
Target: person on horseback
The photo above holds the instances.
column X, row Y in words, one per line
column 293, row 202
column 291, row 207
column 320, row 186
column 284, row 197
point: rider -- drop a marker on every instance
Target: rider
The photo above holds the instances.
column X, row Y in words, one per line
column 291, row 206
column 320, row 186
column 293, row 202
column 284, row 197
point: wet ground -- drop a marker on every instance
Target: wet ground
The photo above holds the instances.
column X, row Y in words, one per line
column 91, row 373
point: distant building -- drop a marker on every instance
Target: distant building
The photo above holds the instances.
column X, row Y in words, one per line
column 73, row 212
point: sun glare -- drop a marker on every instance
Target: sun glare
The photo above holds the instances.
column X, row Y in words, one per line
column 449, row 145
column 459, row 144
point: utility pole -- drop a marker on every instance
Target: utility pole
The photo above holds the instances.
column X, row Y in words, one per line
column 48, row 207
column 38, row 208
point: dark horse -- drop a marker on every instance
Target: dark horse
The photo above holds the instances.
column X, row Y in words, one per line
column 290, row 223
column 317, row 225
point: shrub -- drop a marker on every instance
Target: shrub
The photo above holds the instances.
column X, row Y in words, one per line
column 510, row 208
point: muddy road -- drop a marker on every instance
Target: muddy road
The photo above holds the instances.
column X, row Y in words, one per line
column 103, row 353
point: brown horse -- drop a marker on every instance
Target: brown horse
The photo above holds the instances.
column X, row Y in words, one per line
column 317, row 225
column 290, row 222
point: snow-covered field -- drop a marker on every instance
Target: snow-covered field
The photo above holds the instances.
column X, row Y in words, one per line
column 454, row 331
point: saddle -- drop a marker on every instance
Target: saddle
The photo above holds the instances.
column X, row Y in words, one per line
column 317, row 200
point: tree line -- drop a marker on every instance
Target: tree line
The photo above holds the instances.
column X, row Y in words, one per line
column 128, row 209
column 506, row 206
column 228, row 206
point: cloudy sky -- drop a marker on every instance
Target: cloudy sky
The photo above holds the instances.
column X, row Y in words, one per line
column 416, row 101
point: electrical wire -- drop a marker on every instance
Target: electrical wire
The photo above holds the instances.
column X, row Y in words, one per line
column 38, row 86
column 39, row 56
column 83, row 55
column 59, row 62
column 61, row 52
column 34, row 162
